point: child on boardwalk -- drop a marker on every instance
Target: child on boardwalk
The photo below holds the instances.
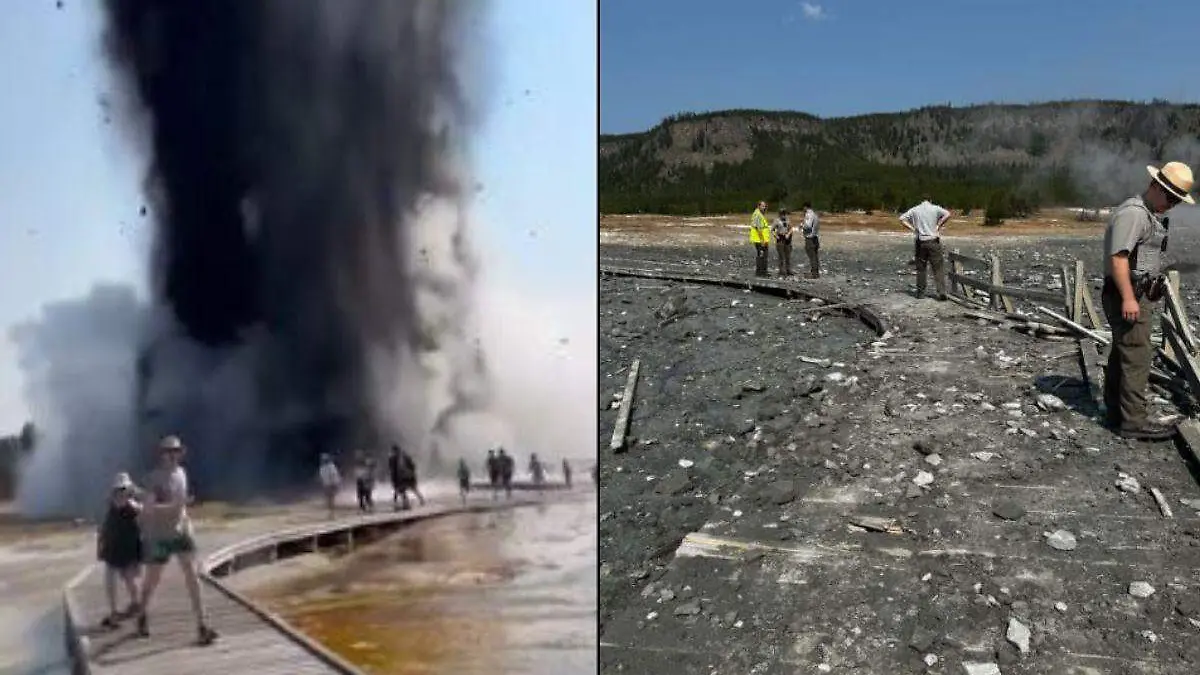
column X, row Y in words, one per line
column 119, row 547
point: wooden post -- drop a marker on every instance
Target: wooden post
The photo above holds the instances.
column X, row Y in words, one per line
column 998, row 282
column 956, row 268
column 1068, row 296
column 1083, row 298
column 1174, row 309
column 1165, row 321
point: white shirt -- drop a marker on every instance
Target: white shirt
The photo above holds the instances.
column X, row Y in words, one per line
column 811, row 225
column 924, row 219
column 329, row 475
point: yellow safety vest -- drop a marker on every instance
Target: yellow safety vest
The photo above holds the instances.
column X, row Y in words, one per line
column 760, row 229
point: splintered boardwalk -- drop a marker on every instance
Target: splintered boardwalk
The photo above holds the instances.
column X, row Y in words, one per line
column 248, row 642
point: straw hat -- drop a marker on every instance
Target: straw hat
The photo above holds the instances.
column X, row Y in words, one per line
column 1176, row 178
column 122, row 481
column 170, row 443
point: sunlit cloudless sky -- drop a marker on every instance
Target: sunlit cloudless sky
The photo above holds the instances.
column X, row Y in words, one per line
column 843, row 57
column 69, row 181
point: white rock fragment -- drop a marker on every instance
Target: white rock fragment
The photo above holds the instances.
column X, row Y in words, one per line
column 1149, row 635
column 686, row 463
column 1050, row 403
column 1141, row 589
column 983, row 456
column 1127, row 483
column 1060, row 606
column 824, row 667
column 922, row 479
column 652, row 616
column 1060, row 540
column 982, row 669
column 931, row 659
column 933, row 459
column 1018, row 634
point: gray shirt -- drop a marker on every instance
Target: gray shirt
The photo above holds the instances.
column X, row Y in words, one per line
column 167, row 488
column 924, row 218
column 781, row 228
column 811, row 225
column 1133, row 229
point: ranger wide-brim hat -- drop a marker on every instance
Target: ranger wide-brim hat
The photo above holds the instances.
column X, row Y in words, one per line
column 122, row 481
column 1176, row 178
column 170, row 443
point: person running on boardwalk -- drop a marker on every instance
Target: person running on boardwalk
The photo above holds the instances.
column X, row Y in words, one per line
column 1135, row 242
column 926, row 221
column 782, row 230
column 811, row 229
column 464, row 480
column 567, row 473
column 168, row 533
column 760, row 236
column 493, row 471
column 537, row 471
column 404, row 478
column 119, row 547
column 507, row 467
column 331, row 481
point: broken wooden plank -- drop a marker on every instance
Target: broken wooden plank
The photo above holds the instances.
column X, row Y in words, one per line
column 617, row 444
column 1175, row 310
column 955, row 256
column 1189, row 434
column 1083, row 306
column 1163, row 507
column 1002, row 295
column 1191, row 372
column 1091, row 367
column 1074, row 326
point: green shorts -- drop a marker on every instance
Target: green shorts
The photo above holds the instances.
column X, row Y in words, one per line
column 159, row 552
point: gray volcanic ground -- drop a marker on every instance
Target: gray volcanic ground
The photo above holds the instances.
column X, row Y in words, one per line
column 792, row 430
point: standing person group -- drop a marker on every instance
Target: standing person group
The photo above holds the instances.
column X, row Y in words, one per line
column 151, row 531
column 926, row 221
column 1135, row 241
column 500, row 468
column 781, row 232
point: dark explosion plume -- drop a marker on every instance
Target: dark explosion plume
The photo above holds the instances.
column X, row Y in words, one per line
column 293, row 145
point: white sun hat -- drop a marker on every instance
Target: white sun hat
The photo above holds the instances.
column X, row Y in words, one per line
column 1176, row 178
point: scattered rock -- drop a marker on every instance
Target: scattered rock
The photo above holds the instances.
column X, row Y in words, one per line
column 1149, row 635
column 1061, row 540
column 1060, row 606
column 983, row 456
column 981, row 668
column 1193, row 504
column 688, row 609
column 1127, row 483
column 781, row 492
column 1009, row 511
column 686, row 463
column 933, row 459
column 1141, row 589
column 1050, row 403
column 923, row 479
column 753, row 386
column 1018, row 634
column 930, row 660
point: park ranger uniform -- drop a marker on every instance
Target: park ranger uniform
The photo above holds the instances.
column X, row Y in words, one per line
column 1133, row 229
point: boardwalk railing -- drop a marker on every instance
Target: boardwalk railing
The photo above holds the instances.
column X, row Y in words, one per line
column 346, row 533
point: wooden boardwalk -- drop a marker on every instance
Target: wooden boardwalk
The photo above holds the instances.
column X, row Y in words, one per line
column 248, row 643
column 252, row 641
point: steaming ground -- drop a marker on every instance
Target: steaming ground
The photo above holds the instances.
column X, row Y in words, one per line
column 785, row 452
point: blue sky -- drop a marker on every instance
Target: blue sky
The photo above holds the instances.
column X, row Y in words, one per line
column 70, row 199
column 840, row 57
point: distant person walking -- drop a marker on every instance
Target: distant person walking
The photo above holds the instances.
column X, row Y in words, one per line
column 566, row 468
column 811, row 229
column 168, row 533
column 537, row 471
column 464, row 480
column 403, row 472
column 119, row 547
column 507, row 468
column 364, row 483
column 782, row 230
column 760, row 236
column 493, row 471
column 1135, row 242
column 926, row 221
column 331, row 481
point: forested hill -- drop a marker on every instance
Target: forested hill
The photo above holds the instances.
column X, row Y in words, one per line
column 1064, row 153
